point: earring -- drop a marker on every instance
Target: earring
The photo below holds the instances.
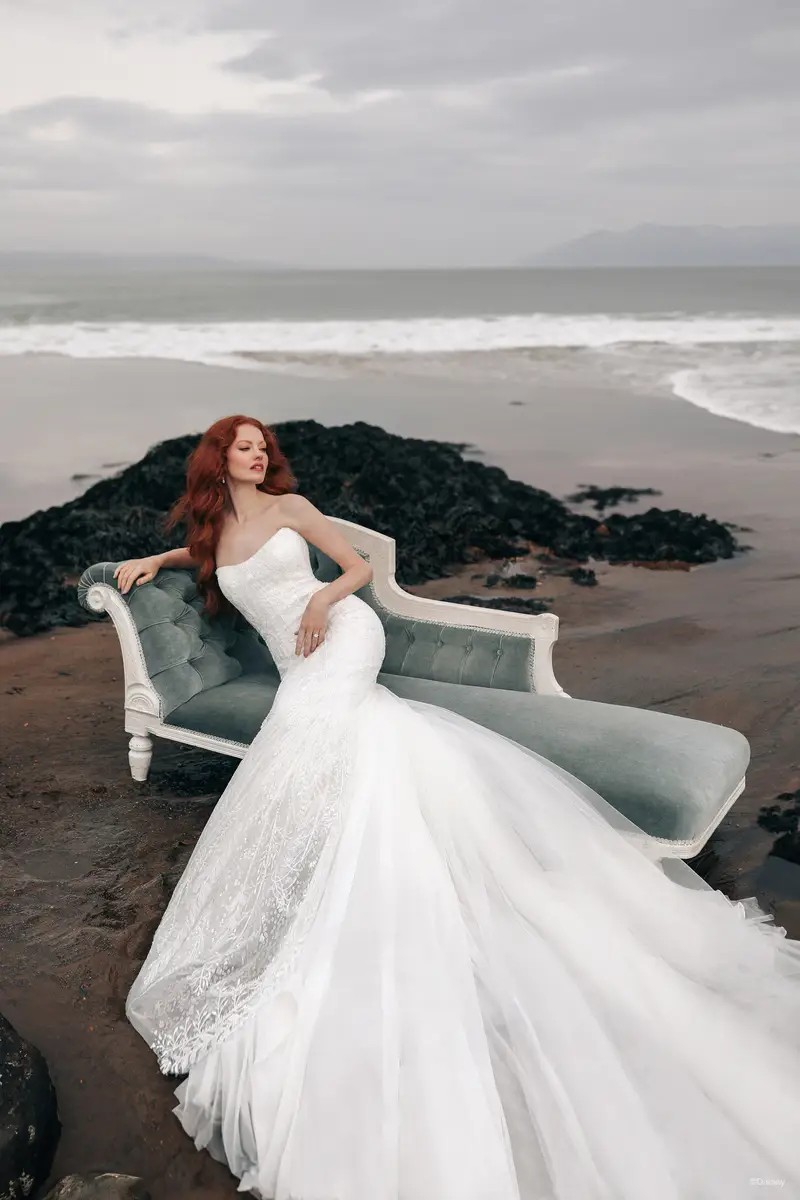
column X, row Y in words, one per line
column 222, row 480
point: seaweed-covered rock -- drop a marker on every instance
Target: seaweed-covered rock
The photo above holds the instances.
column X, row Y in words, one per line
column 525, row 604
column 783, row 819
column 583, row 576
column 602, row 498
column 665, row 535
column 441, row 508
column 29, row 1124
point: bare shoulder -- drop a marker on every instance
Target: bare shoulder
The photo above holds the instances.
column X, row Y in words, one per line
column 293, row 505
column 319, row 530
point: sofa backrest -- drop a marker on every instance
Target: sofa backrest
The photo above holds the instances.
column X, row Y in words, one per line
column 184, row 652
column 442, row 651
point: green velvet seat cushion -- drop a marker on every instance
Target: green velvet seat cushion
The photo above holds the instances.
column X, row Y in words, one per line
column 233, row 711
column 668, row 774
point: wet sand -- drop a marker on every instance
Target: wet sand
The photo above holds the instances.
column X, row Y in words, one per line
column 90, row 857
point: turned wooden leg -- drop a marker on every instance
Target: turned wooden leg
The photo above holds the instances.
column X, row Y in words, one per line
column 140, row 754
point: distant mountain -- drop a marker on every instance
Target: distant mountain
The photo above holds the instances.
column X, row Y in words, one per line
column 678, row 246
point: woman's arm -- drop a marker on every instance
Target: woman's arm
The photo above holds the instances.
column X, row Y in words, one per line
column 321, row 532
column 179, row 557
column 316, row 528
column 142, row 570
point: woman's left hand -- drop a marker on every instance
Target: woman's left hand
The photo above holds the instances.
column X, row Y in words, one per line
column 313, row 625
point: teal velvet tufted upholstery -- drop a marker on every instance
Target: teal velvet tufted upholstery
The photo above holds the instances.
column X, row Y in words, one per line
column 184, row 652
column 421, row 649
column 216, row 681
column 668, row 774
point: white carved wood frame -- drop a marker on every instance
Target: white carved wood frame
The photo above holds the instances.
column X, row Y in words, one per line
column 144, row 717
column 541, row 628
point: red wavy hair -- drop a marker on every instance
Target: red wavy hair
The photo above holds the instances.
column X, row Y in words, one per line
column 206, row 500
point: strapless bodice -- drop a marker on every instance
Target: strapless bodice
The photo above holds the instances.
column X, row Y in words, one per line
column 271, row 589
column 281, row 567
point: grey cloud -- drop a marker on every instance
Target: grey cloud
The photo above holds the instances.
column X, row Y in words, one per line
column 356, row 45
column 101, row 118
column 534, row 72
column 705, row 82
column 505, row 127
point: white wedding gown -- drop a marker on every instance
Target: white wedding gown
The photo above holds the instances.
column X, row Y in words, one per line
column 410, row 959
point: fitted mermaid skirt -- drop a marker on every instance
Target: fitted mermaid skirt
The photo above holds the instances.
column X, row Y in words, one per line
column 410, row 959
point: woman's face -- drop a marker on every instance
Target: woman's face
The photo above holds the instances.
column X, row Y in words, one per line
column 247, row 455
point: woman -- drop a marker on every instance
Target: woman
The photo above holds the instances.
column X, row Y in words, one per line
column 410, row 959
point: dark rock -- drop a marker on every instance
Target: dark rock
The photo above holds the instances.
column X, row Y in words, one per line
column 99, row 1185
column 583, row 576
column 524, row 604
column 29, row 1124
column 602, row 498
column 521, row 580
column 787, row 846
column 441, row 508
column 665, row 535
column 783, row 818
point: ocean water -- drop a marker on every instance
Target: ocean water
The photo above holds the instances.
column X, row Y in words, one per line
column 724, row 339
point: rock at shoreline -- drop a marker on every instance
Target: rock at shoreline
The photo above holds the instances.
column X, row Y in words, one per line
column 441, row 508
column 521, row 580
column 783, row 819
column 583, row 576
column 602, row 498
column 29, row 1124
column 507, row 603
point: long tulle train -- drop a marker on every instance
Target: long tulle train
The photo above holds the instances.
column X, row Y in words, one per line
column 502, row 997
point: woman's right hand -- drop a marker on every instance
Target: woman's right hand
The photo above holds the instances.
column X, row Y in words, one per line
column 137, row 570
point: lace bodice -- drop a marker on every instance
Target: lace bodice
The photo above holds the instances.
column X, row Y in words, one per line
column 271, row 589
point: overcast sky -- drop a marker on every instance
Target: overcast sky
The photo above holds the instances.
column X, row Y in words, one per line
column 390, row 132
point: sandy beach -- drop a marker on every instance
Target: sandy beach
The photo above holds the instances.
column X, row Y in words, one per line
column 90, row 856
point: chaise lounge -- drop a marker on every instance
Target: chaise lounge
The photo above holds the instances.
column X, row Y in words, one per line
column 211, row 684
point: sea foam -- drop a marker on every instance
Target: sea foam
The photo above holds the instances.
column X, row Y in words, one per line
column 737, row 365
